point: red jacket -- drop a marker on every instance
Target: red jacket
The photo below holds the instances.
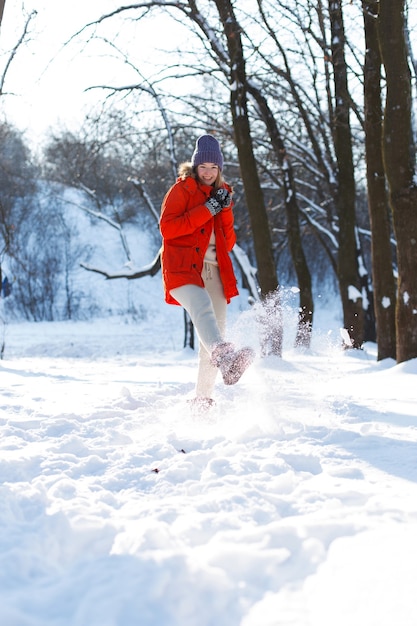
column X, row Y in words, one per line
column 186, row 226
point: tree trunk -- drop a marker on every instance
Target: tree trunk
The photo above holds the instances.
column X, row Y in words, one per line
column 267, row 276
column 348, row 272
column 253, row 192
column 382, row 263
column 398, row 151
column 306, row 308
column 2, row 3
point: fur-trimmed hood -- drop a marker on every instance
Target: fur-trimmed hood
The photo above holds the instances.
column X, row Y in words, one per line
column 185, row 170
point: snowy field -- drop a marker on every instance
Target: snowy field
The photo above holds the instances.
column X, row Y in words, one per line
column 294, row 503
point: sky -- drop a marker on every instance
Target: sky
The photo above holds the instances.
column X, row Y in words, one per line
column 292, row 503
column 47, row 80
column 40, row 92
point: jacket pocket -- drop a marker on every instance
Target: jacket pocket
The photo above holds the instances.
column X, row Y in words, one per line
column 179, row 259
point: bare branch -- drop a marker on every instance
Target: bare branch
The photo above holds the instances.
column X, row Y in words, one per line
column 16, row 47
column 139, row 186
column 131, row 7
column 148, row 270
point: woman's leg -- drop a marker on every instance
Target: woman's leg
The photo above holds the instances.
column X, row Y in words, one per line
column 207, row 373
column 197, row 302
column 207, row 310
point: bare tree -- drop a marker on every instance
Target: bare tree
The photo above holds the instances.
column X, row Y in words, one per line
column 17, row 185
column 6, row 227
column 306, row 308
column 348, row 271
column 16, row 47
column 40, row 261
column 399, row 163
column 238, row 81
column 382, row 262
column 325, row 144
column 254, row 197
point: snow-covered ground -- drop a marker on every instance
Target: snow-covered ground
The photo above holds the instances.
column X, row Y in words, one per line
column 294, row 503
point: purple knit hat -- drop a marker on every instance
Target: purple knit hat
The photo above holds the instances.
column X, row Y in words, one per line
column 207, row 150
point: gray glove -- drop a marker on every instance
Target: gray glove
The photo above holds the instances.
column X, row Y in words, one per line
column 223, row 196
column 213, row 206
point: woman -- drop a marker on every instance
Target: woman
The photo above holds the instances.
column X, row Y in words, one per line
column 197, row 229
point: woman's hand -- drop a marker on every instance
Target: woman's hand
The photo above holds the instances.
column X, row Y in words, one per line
column 223, row 197
column 213, row 205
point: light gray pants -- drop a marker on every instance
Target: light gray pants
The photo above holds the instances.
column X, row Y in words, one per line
column 207, row 310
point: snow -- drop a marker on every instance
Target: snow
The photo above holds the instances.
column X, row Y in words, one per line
column 353, row 293
column 294, row 503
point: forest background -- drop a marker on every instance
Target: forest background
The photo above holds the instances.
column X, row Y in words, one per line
column 313, row 103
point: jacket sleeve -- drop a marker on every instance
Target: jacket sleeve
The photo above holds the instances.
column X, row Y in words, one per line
column 177, row 219
column 227, row 223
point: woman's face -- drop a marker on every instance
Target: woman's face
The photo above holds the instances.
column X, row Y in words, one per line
column 207, row 173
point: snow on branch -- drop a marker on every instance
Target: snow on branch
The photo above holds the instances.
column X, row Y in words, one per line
column 147, row 270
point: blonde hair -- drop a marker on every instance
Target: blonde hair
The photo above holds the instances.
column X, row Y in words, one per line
column 187, row 169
